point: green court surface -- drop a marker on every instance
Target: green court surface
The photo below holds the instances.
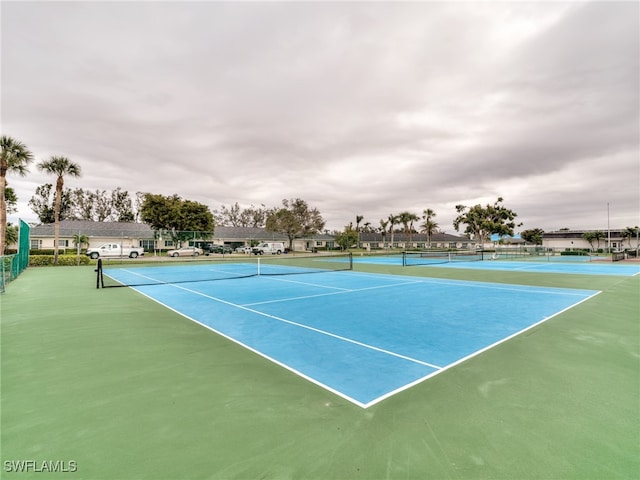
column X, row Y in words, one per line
column 107, row 384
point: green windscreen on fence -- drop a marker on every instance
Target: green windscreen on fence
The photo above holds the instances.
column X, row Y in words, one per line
column 13, row 265
column 23, row 247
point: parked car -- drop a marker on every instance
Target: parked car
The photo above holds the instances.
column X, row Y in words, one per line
column 243, row 249
column 274, row 248
column 185, row 252
column 219, row 249
column 114, row 250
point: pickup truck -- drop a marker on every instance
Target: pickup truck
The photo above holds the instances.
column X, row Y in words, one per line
column 114, row 250
column 274, row 248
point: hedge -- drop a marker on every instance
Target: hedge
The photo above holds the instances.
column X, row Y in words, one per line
column 47, row 260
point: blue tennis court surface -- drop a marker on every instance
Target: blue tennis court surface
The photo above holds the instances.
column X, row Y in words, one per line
column 362, row 336
column 571, row 265
column 581, row 268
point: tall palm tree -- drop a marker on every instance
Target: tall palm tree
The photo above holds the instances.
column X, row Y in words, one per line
column 393, row 221
column 598, row 235
column 383, row 229
column 15, row 158
column 629, row 233
column 429, row 226
column 59, row 166
column 406, row 219
column 358, row 220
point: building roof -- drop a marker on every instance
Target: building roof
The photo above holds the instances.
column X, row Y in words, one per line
column 416, row 237
column 69, row 228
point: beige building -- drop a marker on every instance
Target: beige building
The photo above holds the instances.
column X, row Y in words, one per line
column 573, row 240
column 142, row 235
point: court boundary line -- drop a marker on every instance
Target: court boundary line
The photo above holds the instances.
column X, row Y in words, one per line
column 258, row 352
column 342, row 291
column 437, row 369
column 474, row 354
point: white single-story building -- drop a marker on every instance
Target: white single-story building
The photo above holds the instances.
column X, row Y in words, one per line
column 562, row 240
column 130, row 234
column 376, row 241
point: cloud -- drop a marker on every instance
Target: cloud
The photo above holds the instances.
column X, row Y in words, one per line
column 358, row 108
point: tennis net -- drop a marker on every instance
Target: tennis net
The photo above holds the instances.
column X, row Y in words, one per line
column 437, row 257
column 211, row 270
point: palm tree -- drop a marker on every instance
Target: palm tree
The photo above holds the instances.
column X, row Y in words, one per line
column 597, row 236
column 629, row 233
column 406, row 218
column 429, row 226
column 59, row 166
column 383, row 229
column 14, row 157
column 79, row 240
column 393, row 221
column 358, row 220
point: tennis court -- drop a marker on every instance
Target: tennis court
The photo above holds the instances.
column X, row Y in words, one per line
column 362, row 336
column 561, row 265
column 118, row 385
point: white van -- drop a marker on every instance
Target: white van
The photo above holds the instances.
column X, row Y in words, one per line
column 274, row 248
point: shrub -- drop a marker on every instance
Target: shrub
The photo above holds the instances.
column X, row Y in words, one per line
column 66, row 260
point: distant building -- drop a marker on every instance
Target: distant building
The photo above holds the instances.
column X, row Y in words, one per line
column 415, row 240
column 142, row 235
column 572, row 239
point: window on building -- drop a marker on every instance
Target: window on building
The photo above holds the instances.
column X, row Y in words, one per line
column 35, row 244
column 148, row 244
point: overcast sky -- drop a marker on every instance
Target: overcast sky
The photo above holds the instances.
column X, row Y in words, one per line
column 357, row 108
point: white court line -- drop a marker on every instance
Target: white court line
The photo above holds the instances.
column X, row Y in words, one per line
column 476, row 353
column 438, row 369
column 342, row 291
column 307, row 327
column 260, row 353
column 495, row 286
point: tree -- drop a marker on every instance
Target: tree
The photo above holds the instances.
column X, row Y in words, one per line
column 102, row 208
column 82, row 204
column 383, row 229
column 589, row 237
column 533, row 235
column 598, row 235
column 121, row 206
column 236, row 216
column 13, row 235
column 11, row 200
column 254, row 216
column 407, row 219
column 295, row 220
column 59, row 166
column 393, row 221
column 43, row 204
column 79, row 240
column 347, row 238
column 482, row 222
column 15, row 157
column 629, row 233
column 429, row 226
column 359, row 218
column 180, row 219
